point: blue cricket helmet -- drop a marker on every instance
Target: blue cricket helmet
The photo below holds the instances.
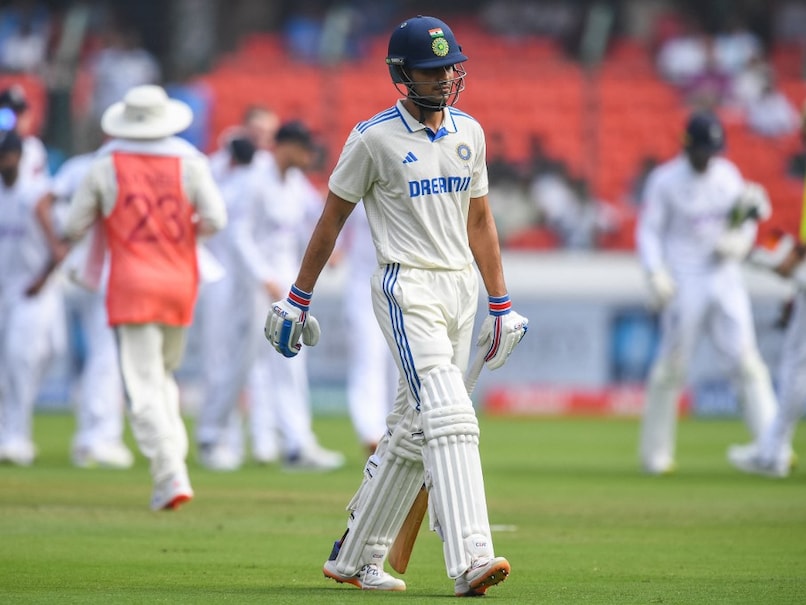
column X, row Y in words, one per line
column 423, row 42
column 704, row 132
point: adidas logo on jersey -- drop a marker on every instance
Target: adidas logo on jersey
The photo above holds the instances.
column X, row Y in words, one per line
column 410, row 157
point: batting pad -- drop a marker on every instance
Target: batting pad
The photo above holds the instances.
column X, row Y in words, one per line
column 453, row 469
column 382, row 502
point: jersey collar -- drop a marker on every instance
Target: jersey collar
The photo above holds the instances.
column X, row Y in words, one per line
column 411, row 123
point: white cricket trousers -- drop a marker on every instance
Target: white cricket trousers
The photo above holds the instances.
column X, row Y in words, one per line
column 149, row 355
column 99, row 407
column 229, row 341
column 427, row 317
column 777, row 438
column 32, row 334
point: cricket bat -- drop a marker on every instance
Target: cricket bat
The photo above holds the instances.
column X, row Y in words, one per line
column 400, row 552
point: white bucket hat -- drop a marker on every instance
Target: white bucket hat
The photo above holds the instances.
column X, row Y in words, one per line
column 146, row 112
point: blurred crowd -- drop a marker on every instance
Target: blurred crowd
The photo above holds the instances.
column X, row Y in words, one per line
column 93, row 51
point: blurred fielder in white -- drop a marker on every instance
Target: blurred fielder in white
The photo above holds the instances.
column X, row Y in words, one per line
column 32, row 328
column 772, row 453
column 699, row 221
column 269, row 236
column 99, row 408
column 419, row 169
column 225, row 314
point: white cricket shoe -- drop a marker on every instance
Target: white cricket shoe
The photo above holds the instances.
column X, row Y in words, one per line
column 18, row 452
column 748, row 459
column 369, row 577
column 664, row 466
column 103, row 455
column 483, row 573
column 171, row 493
column 314, row 458
column 219, row 458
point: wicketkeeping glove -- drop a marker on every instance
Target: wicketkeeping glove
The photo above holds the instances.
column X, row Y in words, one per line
column 503, row 329
column 662, row 287
column 288, row 321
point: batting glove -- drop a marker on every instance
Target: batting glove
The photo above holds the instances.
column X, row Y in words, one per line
column 288, row 322
column 502, row 329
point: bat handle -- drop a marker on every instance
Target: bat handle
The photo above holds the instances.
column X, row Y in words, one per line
column 473, row 372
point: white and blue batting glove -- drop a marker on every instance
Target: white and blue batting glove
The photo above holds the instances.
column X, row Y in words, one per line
column 502, row 329
column 288, row 321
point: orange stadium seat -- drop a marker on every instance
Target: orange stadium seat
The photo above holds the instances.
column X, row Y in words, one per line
column 603, row 123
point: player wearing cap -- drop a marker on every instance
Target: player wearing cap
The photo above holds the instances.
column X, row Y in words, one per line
column 154, row 195
column 772, row 453
column 697, row 224
column 32, row 325
column 419, row 168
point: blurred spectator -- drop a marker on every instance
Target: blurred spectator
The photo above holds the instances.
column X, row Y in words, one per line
column 683, row 57
column 750, row 81
column 711, row 86
column 552, row 195
column 121, row 64
column 735, row 46
column 24, row 35
column 568, row 208
column 772, row 113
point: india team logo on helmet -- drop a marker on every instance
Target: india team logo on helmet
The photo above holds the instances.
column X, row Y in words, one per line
column 424, row 43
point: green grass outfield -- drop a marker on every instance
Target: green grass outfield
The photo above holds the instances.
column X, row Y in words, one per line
column 577, row 521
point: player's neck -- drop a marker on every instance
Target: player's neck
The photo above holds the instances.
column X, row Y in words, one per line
column 432, row 118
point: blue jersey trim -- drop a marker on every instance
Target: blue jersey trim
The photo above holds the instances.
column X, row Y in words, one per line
column 458, row 112
column 388, row 114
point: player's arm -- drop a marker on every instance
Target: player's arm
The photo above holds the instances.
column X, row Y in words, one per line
column 483, row 238
column 288, row 319
column 44, row 215
column 503, row 328
column 85, row 205
column 648, row 239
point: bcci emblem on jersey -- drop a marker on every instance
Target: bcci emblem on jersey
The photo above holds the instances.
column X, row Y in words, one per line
column 463, row 151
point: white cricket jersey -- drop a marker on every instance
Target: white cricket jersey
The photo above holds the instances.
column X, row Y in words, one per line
column 240, row 188
column 34, row 159
column 65, row 183
column 684, row 214
column 24, row 252
column 416, row 185
column 272, row 232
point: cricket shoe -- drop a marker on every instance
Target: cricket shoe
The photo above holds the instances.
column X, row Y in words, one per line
column 171, row 493
column 103, row 455
column 18, row 453
column 369, row 577
column 314, row 458
column 483, row 573
column 748, row 459
column 659, row 467
column 219, row 458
